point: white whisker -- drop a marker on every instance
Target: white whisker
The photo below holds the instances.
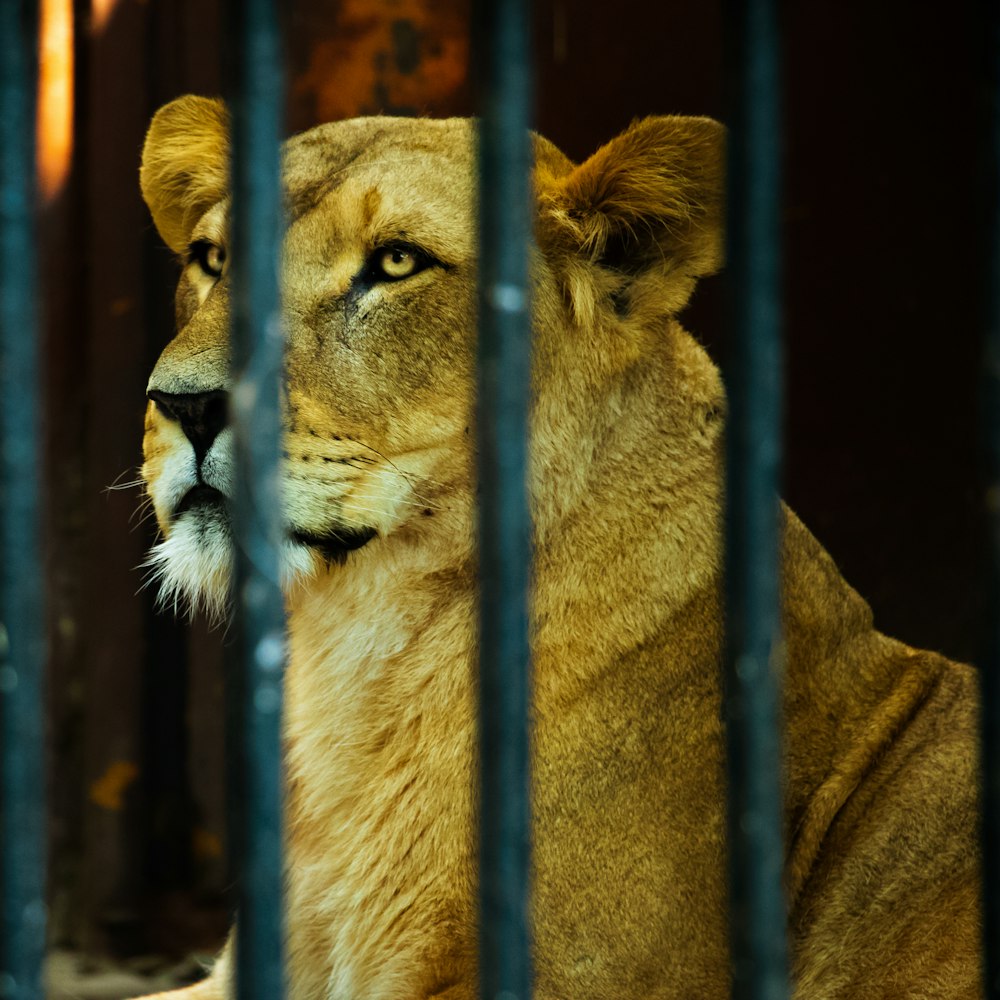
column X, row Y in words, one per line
column 402, row 472
column 373, row 498
column 117, row 484
column 143, row 511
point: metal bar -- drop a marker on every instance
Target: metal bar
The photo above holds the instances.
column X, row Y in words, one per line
column 503, row 56
column 753, row 615
column 990, row 443
column 22, row 639
column 257, row 666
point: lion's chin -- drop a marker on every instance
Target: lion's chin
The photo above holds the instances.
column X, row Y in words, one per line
column 193, row 566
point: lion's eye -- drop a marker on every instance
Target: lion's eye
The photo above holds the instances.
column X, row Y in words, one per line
column 393, row 262
column 396, row 262
column 210, row 257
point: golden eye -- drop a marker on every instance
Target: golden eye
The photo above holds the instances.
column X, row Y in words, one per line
column 215, row 258
column 210, row 257
column 393, row 262
column 396, row 263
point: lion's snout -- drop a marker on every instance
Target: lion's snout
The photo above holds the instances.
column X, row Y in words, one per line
column 202, row 415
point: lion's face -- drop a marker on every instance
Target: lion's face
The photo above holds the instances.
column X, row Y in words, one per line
column 379, row 279
column 378, row 283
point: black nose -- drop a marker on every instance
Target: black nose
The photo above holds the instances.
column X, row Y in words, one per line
column 201, row 415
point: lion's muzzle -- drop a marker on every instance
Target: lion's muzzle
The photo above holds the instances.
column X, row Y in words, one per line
column 202, row 415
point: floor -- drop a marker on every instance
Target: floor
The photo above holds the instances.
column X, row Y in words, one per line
column 73, row 976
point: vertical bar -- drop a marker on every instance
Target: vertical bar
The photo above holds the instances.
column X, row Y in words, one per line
column 753, row 620
column 256, row 668
column 22, row 644
column 505, row 232
column 990, row 443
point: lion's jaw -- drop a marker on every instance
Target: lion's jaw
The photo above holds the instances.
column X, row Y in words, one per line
column 351, row 497
column 193, row 561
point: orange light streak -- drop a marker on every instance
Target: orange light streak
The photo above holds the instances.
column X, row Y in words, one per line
column 100, row 14
column 55, row 96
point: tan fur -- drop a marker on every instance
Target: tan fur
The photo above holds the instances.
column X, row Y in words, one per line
column 629, row 897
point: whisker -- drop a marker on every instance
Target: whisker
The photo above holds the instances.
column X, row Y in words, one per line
column 138, row 519
column 366, row 510
column 411, row 480
column 421, row 498
column 369, row 498
column 359, row 509
column 146, row 517
column 117, row 484
column 396, row 468
column 296, row 476
column 143, row 512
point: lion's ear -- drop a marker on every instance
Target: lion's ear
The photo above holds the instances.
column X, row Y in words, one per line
column 651, row 198
column 185, row 165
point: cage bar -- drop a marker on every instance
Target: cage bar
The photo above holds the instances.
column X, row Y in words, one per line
column 752, row 668
column 255, row 670
column 22, row 638
column 503, row 57
column 990, row 672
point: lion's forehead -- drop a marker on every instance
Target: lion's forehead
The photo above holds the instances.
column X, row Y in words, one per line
column 420, row 170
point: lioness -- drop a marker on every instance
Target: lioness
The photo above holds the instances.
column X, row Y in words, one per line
column 380, row 564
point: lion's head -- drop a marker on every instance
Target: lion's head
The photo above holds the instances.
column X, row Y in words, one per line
column 379, row 287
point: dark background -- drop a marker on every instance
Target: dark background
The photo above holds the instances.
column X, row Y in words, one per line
column 882, row 272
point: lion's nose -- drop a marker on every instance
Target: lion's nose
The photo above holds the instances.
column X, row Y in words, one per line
column 201, row 415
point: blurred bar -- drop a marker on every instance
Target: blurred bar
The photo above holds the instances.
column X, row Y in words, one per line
column 753, row 666
column 503, row 58
column 990, row 443
column 255, row 671
column 23, row 835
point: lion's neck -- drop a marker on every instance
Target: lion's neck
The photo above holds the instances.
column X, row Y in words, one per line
column 372, row 624
column 628, row 533
column 380, row 710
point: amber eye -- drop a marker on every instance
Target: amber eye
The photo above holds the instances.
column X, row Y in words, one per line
column 210, row 257
column 393, row 262
column 396, row 263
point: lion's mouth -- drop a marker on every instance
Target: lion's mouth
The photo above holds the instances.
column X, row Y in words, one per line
column 335, row 545
column 332, row 545
column 201, row 495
